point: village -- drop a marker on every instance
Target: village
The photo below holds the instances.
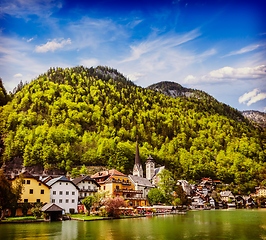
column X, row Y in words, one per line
column 59, row 196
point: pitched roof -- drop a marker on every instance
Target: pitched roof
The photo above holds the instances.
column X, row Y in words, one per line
column 140, row 181
column 150, row 159
column 107, row 173
column 84, row 178
column 51, row 207
column 159, row 169
column 60, row 179
column 27, row 174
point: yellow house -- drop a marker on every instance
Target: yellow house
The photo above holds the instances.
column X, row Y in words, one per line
column 261, row 192
column 34, row 190
column 119, row 184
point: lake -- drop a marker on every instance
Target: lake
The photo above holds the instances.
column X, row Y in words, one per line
column 198, row 225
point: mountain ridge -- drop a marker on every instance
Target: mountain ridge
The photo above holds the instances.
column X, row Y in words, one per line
column 74, row 116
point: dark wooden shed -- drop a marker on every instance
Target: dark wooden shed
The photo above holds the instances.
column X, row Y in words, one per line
column 53, row 212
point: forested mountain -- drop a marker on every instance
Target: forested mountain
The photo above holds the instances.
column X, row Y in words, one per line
column 93, row 116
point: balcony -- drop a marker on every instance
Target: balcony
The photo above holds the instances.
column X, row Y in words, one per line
column 129, row 191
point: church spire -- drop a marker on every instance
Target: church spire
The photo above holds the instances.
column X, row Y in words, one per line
column 137, row 170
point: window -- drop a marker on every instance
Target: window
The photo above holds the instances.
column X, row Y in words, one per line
column 25, row 200
column 53, row 200
column 73, row 193
column 54, row 192
column 60, row 192
column 42, row 191
column 59, row 183
column 60, row 200
column 67, row 192
column 66, row 183
column 23, row 182
column 66, row 200
column 28, row 181
column 73, row 201
column 31, row 191
column 38, row 200
column 40, row 184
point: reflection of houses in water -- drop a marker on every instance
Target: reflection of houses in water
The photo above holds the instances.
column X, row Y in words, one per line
column 70, row 230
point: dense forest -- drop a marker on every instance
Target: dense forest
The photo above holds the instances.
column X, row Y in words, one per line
column 93, row 116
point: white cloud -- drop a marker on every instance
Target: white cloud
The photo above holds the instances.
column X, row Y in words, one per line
column 52, row 45
column 92, row 62
column 252, row 97
column 18, row 75
column 229, row 73
column 190, row 79
column 246, row 49
column 135, row 76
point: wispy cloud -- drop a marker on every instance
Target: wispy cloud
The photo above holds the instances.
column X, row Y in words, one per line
column 18, row 75
column 24, row 8
column 30, row 39
column 246, row 49
column 159, row 44
column 53, row 45
column 252, row 97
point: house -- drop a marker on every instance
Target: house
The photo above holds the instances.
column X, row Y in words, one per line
column 118, row 184
column 227, row 196
column 249, row 202
column 87, row 186
column 260, row 192
column 142, row 184
column 34, row 190
column 197, row 202
column 64, row 193
column 185, row 186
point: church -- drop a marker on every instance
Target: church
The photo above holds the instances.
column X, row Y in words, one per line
column 151, row 179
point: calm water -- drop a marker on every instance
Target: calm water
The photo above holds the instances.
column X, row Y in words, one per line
column 214, row 224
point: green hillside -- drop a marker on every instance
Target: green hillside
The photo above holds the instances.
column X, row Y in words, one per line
column 93, row 116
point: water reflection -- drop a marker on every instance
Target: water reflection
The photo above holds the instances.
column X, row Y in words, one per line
column 207, row 225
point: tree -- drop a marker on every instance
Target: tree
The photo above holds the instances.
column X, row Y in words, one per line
column 180, row 197
column 112, row 206
column 88, row 203
column 9, row 194
column 155, row 196
column 83, row 170
column 166, row 185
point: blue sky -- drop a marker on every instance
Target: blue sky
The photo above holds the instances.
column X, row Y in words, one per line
column 217, row 46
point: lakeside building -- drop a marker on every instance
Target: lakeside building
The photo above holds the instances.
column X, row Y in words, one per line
column 119, row 184
column 64, row 193
column 33, row 191
column 87, row 186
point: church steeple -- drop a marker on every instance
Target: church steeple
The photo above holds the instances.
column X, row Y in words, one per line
column 137, row 169
column 150, row 168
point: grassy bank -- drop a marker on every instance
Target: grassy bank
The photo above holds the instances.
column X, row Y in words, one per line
column 21, row 219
